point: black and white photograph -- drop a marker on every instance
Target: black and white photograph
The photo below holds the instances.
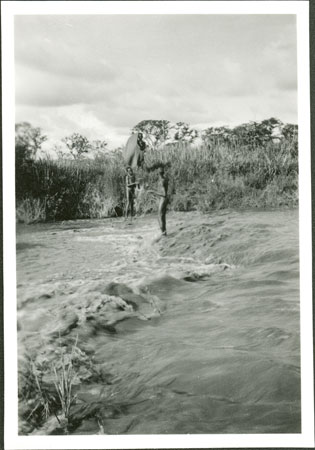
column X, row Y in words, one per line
column 157, row 213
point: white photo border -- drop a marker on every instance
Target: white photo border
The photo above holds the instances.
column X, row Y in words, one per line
column 12, row 440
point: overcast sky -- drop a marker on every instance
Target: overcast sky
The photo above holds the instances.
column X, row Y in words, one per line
column 101, row 75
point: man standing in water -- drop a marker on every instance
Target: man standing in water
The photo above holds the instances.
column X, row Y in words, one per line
column 161, row 193
column 130, row 192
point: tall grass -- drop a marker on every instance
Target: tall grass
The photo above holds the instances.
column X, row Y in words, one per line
column 70, row 189
column 64, row 379
column 221, row 177
column 203, row 178
column 46, row 386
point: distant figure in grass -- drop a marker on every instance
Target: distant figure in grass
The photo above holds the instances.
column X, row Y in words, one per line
column 141, row 143
column 161, row 193
column 131, row 184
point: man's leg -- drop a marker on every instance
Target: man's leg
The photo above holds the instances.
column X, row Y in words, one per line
column 132, row 201
column 164, row 216
column 160, row 215
column 127, row 205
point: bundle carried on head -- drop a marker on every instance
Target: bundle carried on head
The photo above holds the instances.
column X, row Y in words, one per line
column 134, row 151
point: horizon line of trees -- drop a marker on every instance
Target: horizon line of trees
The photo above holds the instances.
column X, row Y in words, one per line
column 159, row 132
column 29, row 139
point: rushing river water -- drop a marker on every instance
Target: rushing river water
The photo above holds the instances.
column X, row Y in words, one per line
column 217, row 347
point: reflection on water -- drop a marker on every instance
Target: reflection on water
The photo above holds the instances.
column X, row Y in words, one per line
column 220, row 354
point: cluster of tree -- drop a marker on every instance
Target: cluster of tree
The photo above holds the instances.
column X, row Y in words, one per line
column 79, row 146
column 252, row 133
column 29, row 140
column 163, row 132
column 158, row 132
column 154, row 131
column 183, row 132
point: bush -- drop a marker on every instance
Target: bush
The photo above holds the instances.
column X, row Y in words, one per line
column 71, row 189
column 46, row 386
column 30, row 210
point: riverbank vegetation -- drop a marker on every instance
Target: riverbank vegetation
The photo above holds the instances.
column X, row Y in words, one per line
column 244, row 167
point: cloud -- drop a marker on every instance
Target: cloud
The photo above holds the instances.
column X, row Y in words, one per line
column 37, row 87
column 69, row 119
column 101, row 75
column 279, row 62
column 55, row 51
column 97, row 122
